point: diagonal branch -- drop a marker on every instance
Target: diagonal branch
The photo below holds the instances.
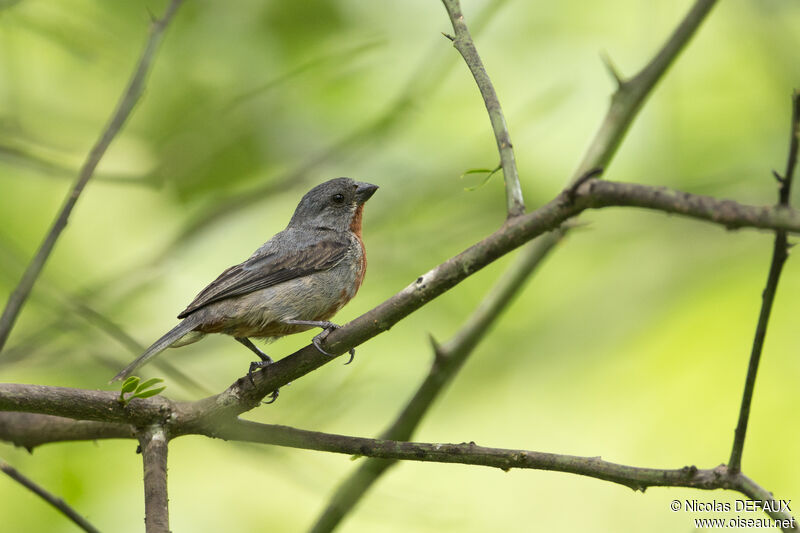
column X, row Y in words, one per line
column 463, row 43
column 780, row 253
column 153, row 445
column 123, row 110
column 632, row 93
column 241, row 396
column 448, row 360
column 55, row 501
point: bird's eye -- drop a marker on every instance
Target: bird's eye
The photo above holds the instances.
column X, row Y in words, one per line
column 338, row 198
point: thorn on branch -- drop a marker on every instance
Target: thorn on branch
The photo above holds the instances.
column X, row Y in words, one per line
column 439, row 356
column 153, row 17
column 780, row 179
column 612, row 69
column 449, row 36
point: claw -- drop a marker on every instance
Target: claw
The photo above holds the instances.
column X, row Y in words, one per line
column 255, row 365
column 316, row 342
column 274, row 397
column 327, row 327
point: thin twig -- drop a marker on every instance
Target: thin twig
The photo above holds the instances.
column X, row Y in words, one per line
column 448, row 360
column 631, row 93
column 462, row 41
column 124, row 107
column 55, row 501
column 780, row 252
column 153, row 444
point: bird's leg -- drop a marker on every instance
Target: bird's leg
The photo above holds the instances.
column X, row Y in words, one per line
column 327, row 327
column 265, row 361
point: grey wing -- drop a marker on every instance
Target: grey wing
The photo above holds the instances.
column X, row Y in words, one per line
column 268, row 267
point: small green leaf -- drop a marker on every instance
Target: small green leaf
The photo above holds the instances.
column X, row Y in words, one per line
column 148, row 393
column 488, row 171
column 147, row 384
column 477, row 171
column 129, row 385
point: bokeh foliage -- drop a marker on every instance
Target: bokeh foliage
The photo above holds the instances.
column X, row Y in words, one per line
column 631, row 343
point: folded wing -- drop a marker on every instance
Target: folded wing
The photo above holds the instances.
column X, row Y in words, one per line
column 272, row 264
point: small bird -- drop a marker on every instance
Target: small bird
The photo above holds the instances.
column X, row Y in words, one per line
column 295, row 281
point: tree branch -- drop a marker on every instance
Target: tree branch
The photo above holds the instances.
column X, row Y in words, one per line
column 153, row 444
column 466, row 47
column 469, row 453
column 780, row 253
column 29, row 430
column 124, row 107
column 594, row 194
column 82, row 404
column 631, row 94
column 53, row 500
column 448, row 360
column 241, row 396
column 636, row 478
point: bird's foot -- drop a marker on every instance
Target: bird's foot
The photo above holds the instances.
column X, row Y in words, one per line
column 327, row 327
column 255, row 365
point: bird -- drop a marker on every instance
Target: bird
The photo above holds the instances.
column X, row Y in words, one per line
column 295, row 281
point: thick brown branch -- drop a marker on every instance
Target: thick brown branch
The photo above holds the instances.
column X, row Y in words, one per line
column 594, row 194
column 124, row 107
column 242, row 396
column 29, row 430
column 466, row 47
column 82, row 404
column 780, row 252
column 153, row 444
column 55, row 501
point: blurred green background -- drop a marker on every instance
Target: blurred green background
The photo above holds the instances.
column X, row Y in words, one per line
column 631, row 343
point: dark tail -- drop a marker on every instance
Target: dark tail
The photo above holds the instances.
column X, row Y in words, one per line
column 159, row 346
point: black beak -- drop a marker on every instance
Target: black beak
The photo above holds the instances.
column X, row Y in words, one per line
column 364, row 191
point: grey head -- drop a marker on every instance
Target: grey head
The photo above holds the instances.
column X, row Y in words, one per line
column 332, row 205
